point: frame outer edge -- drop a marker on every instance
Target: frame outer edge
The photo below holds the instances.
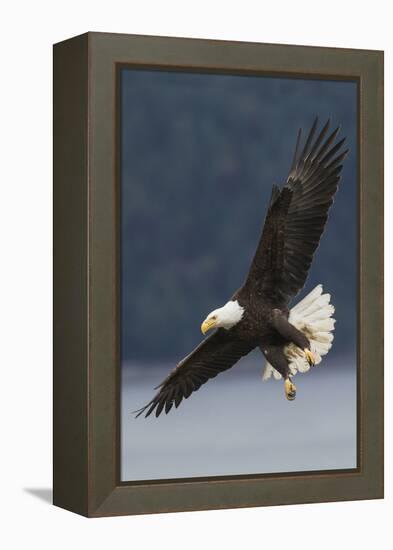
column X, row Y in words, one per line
column 106, row 497
column 372, row 265
column 70, row 270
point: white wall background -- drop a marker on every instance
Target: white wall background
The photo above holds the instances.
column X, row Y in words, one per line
column 27, row 31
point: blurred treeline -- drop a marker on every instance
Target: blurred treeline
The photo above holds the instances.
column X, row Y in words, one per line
column 199, row 156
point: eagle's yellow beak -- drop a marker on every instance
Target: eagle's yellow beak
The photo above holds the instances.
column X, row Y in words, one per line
column 207, row 325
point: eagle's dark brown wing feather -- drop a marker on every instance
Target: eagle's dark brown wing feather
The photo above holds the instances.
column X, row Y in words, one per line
column 267, row 264
column 215, row 354
column 296, row 218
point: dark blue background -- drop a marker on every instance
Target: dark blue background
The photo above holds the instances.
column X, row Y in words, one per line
column 199, row 154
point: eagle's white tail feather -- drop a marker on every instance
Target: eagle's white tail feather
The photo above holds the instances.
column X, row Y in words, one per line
column 316, row 306
column 276, row 374
column 321, row 314
column 323, row 325
column 313, row 316
column 308, row 299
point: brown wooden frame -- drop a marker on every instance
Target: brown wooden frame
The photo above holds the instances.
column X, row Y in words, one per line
column 86, row 289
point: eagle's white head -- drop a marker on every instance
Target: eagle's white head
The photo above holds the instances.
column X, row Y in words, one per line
column 226, row 317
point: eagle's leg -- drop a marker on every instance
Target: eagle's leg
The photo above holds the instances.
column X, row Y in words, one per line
column 276, row 357
column 292, row 334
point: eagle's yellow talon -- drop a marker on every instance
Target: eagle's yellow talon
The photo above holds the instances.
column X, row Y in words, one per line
column 310, row 357
column 290, row 389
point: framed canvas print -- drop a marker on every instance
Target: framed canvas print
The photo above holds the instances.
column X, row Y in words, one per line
column 218, row 261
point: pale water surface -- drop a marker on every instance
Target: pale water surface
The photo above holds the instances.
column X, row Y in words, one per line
column 237, row 424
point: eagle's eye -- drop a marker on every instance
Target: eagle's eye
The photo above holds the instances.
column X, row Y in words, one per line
column 214, row 318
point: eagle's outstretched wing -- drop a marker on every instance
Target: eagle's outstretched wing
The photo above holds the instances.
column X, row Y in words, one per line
column 296, row 217
column 215, row 354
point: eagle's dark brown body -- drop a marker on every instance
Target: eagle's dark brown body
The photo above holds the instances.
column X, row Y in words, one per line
column 294, row 223
column 257, row 322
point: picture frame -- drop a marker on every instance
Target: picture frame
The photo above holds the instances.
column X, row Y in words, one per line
column 86, row 414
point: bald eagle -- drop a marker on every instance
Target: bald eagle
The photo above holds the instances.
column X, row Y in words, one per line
column 258, row 314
